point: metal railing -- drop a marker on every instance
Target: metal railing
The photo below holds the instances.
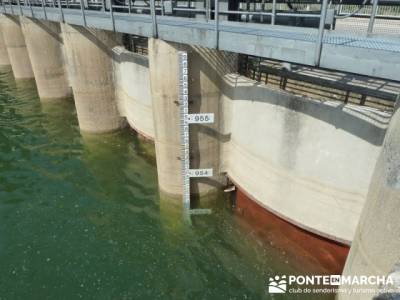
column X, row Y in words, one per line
column 136, row 44
column 322, row 16
column 321, row 84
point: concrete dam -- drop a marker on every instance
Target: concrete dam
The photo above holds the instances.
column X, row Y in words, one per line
column 304, row 133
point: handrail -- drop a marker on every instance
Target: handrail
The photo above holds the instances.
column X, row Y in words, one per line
column 218, row 14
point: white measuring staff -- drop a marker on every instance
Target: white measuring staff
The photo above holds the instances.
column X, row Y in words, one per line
column 185, row 120
column 183, row 101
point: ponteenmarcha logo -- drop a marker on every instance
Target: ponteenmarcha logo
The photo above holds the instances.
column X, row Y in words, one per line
column 296, row 284
column 277, row 284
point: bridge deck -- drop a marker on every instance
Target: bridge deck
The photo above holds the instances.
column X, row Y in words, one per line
column 372, row 56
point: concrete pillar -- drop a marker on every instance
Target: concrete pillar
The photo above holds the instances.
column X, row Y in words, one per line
column 206, row 68
column 4, row 60
column 16, row 47
column 44, row 43
column 375, row 248
column 90, row 69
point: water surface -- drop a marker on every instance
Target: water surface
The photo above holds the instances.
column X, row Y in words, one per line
column 81, row 218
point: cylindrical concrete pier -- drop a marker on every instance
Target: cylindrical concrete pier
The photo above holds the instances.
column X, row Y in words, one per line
column 89, row 59
column 206, row 68
column 4, row 60
column 375, row 248
column 44, row 43
column 16, row 47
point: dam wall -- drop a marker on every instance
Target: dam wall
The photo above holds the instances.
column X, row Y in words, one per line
column 308, row 161
column 321, row 153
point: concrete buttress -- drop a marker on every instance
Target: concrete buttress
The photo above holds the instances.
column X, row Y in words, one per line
column 44, row 42
column 206, row 68
column 16, row 47
column 90, row 68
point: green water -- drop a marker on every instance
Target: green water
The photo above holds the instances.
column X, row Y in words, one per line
column 81, row 218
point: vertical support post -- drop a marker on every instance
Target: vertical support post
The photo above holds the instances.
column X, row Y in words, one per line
column 321, row 31
column 216, row 17
column 162, row 7
column 11, row 8
column 273, row 12
column 208, row 11
column 20, row 8
column 262, row 10
column 44, row 9
column 247, row 10
column 30, row 6
column 83, row 13
column 346, row 97
column 129, row 7
column 66, row 3
column 4, row 7
column 153, row 18
column 363, row 99
column 61, row 11
column 184, row 110
column 373, row 15
column 112, row 15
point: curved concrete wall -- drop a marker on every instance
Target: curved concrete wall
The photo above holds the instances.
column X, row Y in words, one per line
column 308, row 161
column 132, row 88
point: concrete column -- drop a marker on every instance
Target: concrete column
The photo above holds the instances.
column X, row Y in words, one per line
column 375, row 248
column 89, row 56
column 16, row 47
column 44, row 43
column 206, row 68
column 4, row 60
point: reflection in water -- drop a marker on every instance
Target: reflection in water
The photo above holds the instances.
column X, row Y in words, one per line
column 81, row 218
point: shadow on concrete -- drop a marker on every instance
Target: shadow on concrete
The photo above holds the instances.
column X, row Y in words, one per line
column 366, row 123
column 105, row 40
column 54, row 29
